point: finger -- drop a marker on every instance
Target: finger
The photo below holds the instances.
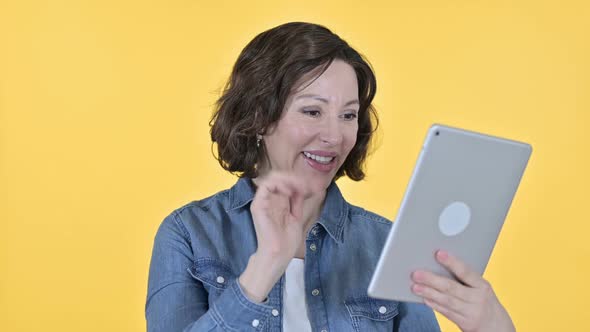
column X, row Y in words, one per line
column 268, row 197
column 290, row 179
column 459, row 269
column 442, row 284
column 446, row 300
column 282, row 189
column 296, row 205
column 449, row 302
column 277, row 184
column 296, row 197
column 448, row 313
column 297, row 186
column 270, row 194
column 294, row 184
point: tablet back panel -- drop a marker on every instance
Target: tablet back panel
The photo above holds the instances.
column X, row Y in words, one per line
column 462, row 181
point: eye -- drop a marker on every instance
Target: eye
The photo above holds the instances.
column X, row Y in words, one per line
column 350, row 116
column 314, row 113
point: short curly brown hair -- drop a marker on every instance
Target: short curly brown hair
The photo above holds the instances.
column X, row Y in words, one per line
column 263, row 77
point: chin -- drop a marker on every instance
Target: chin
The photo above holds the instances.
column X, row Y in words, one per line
column 319, row 182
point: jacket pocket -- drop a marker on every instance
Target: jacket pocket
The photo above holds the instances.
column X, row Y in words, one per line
column 214, row 274
column 369, row 314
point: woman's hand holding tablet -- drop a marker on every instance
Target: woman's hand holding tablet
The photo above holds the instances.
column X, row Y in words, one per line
column 469, row 301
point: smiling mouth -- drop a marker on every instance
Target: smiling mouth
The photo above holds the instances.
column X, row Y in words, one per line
column 319, row 159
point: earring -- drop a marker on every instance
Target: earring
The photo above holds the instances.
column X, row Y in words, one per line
column 258, row 139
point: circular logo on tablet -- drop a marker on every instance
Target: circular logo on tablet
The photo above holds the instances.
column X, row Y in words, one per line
column 454, row 218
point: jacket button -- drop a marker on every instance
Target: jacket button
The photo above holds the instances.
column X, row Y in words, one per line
column 315, row 292
column 382, row 309
column 275, row 312
column 220, row 280
column 255, row 323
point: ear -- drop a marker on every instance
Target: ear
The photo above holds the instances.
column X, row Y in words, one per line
column 270, row 129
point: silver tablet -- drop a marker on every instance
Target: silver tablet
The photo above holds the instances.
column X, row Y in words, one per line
column 457, row 199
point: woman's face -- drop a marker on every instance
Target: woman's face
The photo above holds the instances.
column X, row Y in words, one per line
column 318, row 127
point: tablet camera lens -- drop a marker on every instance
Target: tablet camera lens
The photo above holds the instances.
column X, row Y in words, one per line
column 437, row 133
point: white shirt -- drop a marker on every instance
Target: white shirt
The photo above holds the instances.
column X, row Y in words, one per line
column 295, row 317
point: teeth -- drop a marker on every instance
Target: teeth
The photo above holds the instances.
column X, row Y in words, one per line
column 320, row 159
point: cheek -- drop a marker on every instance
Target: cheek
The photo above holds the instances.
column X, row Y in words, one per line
column 350, row 138
column 301, row 132
column 300, row 136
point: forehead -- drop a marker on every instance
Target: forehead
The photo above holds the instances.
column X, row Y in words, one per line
column 338, row 81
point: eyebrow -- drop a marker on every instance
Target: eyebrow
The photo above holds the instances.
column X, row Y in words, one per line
column 324, row 100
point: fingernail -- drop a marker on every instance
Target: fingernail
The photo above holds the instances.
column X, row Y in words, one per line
column 417, row 289
column 416, row 275
column 442, row 255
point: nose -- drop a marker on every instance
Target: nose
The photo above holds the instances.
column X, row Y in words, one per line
column 330, row 132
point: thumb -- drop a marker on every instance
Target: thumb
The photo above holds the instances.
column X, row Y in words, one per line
column 296, row 205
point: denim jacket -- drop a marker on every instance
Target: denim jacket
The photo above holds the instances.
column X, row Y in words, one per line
column 202, row 248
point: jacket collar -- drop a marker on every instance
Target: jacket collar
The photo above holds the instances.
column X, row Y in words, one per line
column 332, row 218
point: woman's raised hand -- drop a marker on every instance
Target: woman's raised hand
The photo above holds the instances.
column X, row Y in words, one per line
column 277, row 211
column 470, row 303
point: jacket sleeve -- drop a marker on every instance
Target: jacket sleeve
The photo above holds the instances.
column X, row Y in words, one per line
column 415, row 317
column 178, row 302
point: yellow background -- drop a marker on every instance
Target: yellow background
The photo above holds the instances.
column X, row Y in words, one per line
column 104, row 109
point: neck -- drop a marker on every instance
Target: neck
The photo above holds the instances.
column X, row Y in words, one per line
column 312, row 208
